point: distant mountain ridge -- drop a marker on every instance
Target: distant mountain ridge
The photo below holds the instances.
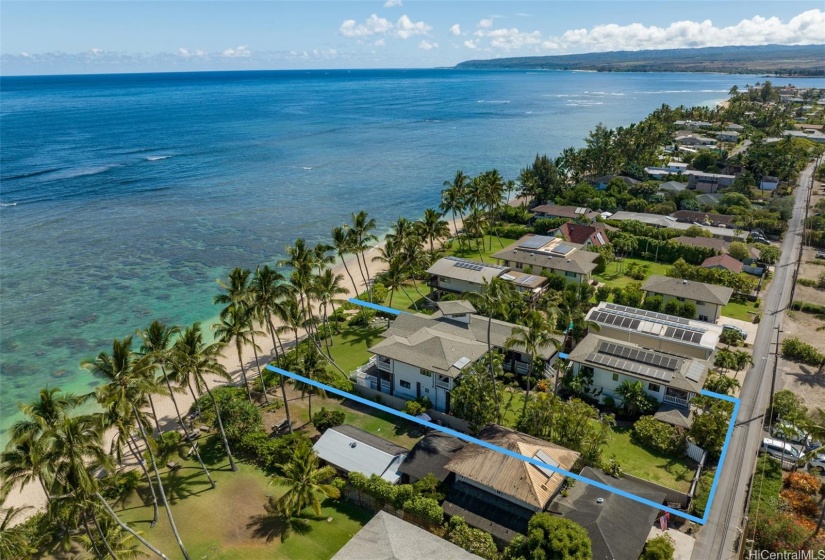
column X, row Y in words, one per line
column 784, row 60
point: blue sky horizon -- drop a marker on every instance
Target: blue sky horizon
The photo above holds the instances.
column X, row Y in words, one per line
column 126, row 36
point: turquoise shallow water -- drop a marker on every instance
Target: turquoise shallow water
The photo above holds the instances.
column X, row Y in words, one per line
column 123, row 198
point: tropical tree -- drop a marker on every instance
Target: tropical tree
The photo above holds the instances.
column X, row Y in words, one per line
column 635, row 399
column 327, row 289
column 342, row 243
column 307, row 482
column 491, row 192
column 236, row 291
column 550, row 537
column 237, row 326
column 311, row 366
column 193, row 360
column 431, row 228
column 361, row 228
column 268, row 290
column 536, row 335
column 452, row 198
column 14, row 540
column 157, row 347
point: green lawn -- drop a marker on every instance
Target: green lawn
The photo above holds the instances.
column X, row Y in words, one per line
column 741, row 311
column 615, row 279
column 638, row 461
column 350, row 348
column 403, row 299
column 229, row 522
column 486, row 252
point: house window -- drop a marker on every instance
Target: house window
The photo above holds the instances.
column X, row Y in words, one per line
column 652, row 387
column 703, row 318
column 570, row 274
column 444, row 280
column 426, row 373
column 615, row 377
column 680, row 298
column 443, row 381
column 405, row 384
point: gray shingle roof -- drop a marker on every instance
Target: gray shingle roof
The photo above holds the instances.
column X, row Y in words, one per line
column 467, row 270
column 430, row 454
column 708, row 242
column 386, row 537
column 456, row 307
column 688, row 289
column 578, row 260
column 431, row 349
column 618, row 527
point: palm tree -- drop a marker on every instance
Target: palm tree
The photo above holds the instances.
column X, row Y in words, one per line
column 327, row 288
column 236, row 290
column 128, row 382
column 193, row 360
column 341, row 242
column 310, row 366
column 491, row 298
column 237, row 325
column 536, row 335
column 452, row 199
column 307, row 482
column 157, row 347
column 394, row 278
column 14, row 541
column 432, row 228
column 491, row 190
column 362, row 235
column 269, row 288
column 634, row 398
column 474, row 228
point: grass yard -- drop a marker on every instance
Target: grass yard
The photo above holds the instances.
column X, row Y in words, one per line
column 350, row 349
column 742, row 311
column 403, row 299
column 615, row 279
column 672, row 472
column 472, row 252
column 230, row 522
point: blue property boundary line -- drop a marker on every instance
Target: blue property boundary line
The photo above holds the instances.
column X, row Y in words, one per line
column 464, row 437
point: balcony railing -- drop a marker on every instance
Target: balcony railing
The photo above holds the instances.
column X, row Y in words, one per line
column 384, row 364
column 670, row 399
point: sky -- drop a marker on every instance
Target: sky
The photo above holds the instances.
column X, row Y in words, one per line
column 65, row 37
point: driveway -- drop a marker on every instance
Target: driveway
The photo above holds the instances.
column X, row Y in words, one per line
column 681, row 542
column 747, row 326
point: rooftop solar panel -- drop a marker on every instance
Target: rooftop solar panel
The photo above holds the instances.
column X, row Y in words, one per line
column 546, row 459
column 639, row 355
column 536, row 242
column 630, row 367
column 562, row 248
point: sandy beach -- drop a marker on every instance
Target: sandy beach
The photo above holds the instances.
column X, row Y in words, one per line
column 32, row 495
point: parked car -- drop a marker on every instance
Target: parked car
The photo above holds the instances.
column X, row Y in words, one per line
column 740, row 330
column 758, row 240
column 817, row 463
column 791, row 434
column 776, row 448
column 820, row 255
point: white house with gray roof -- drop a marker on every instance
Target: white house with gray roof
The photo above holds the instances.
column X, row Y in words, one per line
column 708, row 298
column 534, row 254
column 670, row 378
column 423, row 355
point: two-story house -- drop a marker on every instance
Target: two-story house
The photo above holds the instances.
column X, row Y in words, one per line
column 423, row 355
column 569, row 212
column 671, row 379
column 708, row 298
column 536, row 253
column 453, row 275
column 593, row 235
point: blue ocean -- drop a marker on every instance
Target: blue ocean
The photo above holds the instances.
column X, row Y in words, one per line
column 124, row 197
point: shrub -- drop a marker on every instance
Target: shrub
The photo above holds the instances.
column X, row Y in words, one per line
column 613, row 468
column 700, row 499
column 402, row 494
column 240, row 417
column 513, row 231
column 795, row 349
column 658, row 436
column 806, row 282
column 425, row 508
column 801, row 503
column 120, row 485
column 806, row 307
column 362, row 319
column 325, row 419
column 731, row 337
column 653, row 303
column 603, row 293
column 379, row 293
column 270, row 452
column 803, row 482
column 554, row 281
column 660, row 548
column 430, row 487
column 472, row 540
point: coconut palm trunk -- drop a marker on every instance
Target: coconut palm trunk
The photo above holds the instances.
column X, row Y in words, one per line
column 160, row 484
column 243, row 371
column 92, row 542
column 128, row 529
column 154, row 414
column 490, row 364
column 260, row 371
column 133, row 447
column 192, row 444
column 232, row 464
column 103, row 538
column 529, row 375
column 194, row 397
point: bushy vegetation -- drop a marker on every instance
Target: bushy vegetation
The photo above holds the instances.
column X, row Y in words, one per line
column 472, row 540
column 658, row 548
column 550, row 536
column 795, row 349
column 770, row 525
column 240, row 417
column 721, row 277
column 325, row 419
column 659, row 436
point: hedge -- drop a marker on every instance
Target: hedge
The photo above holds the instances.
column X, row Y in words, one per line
column 795, row 349
column 658, row 436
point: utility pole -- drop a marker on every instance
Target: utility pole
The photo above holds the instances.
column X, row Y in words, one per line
column 773, row 375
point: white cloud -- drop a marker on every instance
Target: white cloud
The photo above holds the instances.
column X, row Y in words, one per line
column 805, row 28
column 427, row 46
column 372, row 25
column 379, row 43
column 392, row 3
column 404, row 28
column 471, row 44
column 238, row 52
column 455, row 29
column 197, row 53
column 485, row 23
column 95, row 52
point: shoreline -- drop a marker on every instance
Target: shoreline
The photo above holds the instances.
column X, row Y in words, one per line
column 34, row 497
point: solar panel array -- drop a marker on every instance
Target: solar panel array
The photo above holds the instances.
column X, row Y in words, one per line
column 562, row 248
column 639, row 355
column 646, row 313
column 631, row 367
column 616, row 320
column 468, row 265
column 547, row 460
column 536, row 242
column 526, row 280
column 462, row 263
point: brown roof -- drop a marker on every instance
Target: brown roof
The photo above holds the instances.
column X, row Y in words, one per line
column 549, row 252
column 579, row 233
column 514, row 477
column 689, row 289
column 708, row 242
column 556, row 211
column 725, row 261
column 692, row 216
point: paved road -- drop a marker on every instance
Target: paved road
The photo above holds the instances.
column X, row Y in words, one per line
column 720, row 537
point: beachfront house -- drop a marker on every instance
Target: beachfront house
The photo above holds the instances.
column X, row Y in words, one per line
column 350, row 449
column 534, row 254
column 569, row 212
column 600, row 183
column 692, row 124
column 499, row 493
column 656, row 331
column 671, row 379
column 708, row 298
column 423, row 355
column 593, row 235
column 453, row 275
